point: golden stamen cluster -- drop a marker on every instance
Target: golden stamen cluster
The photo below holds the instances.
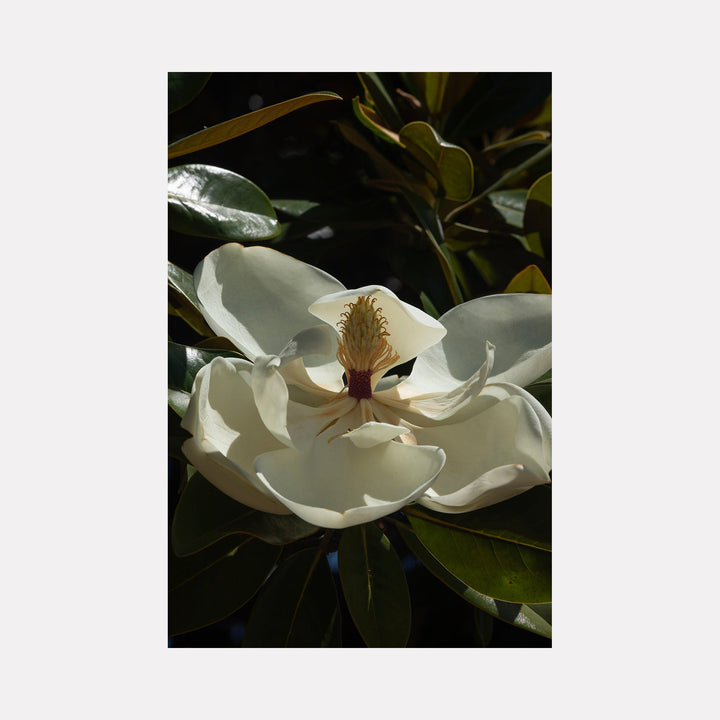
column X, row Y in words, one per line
column 363, row 349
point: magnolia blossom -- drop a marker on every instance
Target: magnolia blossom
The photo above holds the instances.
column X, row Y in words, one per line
column 312, row 424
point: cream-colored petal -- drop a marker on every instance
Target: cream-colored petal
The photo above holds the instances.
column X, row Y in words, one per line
column 293, row 423
column 508, row 435
column 337, row 484
column 438, row 406
column 228, row 433
column 518, row 325
column 258, row 297
column 410, row 329
column 494, row 486
column 373, row 433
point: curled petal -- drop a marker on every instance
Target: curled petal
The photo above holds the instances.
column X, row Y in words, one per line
column 492, row 456
column 294, row 423
column 438, row 406
column 258, row 297
column 227, row 433
column 410, row 329
column 337, row 484
column 518, row 325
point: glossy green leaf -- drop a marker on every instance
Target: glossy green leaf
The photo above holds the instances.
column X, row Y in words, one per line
column 441, row 90
column 501, row 551
column 298, row 607
column 184, row 363
column 244, row 123
column 209, row 586
column 211, row 202
column 184, row 300
column 534, row 618
column 204, row 515
column 450, row 164
column 176, row 434
column 510, row 205
column 375, row 587
column 184, row 87
column 178, row 400
column 537, row 221
column 529, row 280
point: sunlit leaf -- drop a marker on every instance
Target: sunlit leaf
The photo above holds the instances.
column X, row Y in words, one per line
column 244, row 123
column 452, row 165
column 501, row 551
column 375, row 587
column 370, row 119
column 211, row 202
column 529, row 617
column 538, row 215
column 377, row 95
column 204, row 515
column 218, row 584
column 529, row 280
column 298, row 607
column 183, row 87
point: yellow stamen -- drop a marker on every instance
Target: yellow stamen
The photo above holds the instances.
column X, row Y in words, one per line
column 363, row 349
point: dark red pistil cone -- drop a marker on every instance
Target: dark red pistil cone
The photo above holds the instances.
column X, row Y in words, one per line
column 359, row 384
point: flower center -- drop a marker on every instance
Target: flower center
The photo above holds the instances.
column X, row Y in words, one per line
column 362, row 348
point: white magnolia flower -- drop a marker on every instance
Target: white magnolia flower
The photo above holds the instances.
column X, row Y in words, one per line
column 285, row 433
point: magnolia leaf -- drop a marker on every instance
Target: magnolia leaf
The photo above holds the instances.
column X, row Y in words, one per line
column 537, row 221
column 378, row 96
column 211, row 202
column 298, row 606
column 450, row 164
column 371, row 120
column 527, row 617
column 184, row 300
column 375, row 587
column 208, row 587
column 205, row 515
column 529, row 280
column 501, row 551
column 178, row 400
column 183, row 87
column 244, row 123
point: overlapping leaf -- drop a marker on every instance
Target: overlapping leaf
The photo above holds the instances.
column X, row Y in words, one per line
column 205, row 515
column 184, row 300
column 375, row 587
column 534, row 618
column 211, row 585
column 501, row 551
column 298, row 607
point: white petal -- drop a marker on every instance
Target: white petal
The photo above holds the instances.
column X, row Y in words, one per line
column 518, row 325
column 494, row 486
column 292, row 423
column 258, row 297
column 490, row 457
column 373, row 433
column 410, row 329
column 437, row 406
column 337, row 484
column 228, row 433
